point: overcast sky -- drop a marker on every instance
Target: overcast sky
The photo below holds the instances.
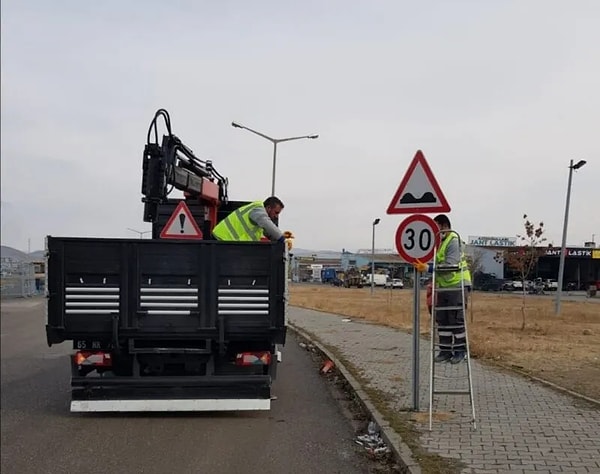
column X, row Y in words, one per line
column 499, row 96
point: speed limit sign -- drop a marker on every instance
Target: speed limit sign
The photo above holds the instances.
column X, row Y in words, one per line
column 416, row 238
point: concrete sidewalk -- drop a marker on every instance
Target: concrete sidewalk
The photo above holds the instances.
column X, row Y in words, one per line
column 522, row 426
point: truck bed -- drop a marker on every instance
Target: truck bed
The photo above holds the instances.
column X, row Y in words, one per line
column 101, row 290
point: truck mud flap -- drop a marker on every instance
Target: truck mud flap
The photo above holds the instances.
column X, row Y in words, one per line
column 163, row 394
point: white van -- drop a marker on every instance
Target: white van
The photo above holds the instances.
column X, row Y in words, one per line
column 379, row 279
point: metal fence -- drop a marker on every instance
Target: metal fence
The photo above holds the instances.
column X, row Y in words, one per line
column 17, row 280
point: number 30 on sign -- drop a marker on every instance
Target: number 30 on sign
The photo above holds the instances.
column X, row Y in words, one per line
column 416, row 238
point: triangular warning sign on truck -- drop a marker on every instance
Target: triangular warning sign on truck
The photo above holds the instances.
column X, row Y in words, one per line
column 419, row 191
column 181, row 225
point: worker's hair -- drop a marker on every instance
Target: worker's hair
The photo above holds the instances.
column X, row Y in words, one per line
column 273, row 201
column 442, row 219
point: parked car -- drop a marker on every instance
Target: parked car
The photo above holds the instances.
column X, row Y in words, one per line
column 394, row 283
column 486, row 282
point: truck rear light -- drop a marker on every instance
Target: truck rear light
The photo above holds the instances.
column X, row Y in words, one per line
column 99, row 359
column 253, row 358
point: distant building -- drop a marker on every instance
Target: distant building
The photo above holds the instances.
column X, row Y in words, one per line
column 389, row 263
column 20, row 275
column 582, row 264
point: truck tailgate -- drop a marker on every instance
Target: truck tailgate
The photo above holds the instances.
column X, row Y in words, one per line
column 139, row 288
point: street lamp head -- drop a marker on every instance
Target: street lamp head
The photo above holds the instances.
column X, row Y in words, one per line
column 579, row 164
column 376, row 221
column 236, row 125
column 313, row 136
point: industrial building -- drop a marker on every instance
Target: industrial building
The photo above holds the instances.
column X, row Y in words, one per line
column 582, row 264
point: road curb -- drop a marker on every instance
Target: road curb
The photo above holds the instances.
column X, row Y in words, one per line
column 401, row 451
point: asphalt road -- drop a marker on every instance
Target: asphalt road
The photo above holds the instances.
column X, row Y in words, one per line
column 305, row 431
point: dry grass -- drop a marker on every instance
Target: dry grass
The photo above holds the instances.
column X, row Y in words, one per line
column 561, row 349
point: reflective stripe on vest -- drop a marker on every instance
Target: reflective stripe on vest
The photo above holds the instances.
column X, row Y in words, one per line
column 238, row 227
column 447, row 279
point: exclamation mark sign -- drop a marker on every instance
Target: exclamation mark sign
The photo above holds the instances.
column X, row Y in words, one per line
column 182, row 222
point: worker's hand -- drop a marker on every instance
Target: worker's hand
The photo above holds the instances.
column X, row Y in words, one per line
column 288, row 234
column 289, row 243
column 420, row 266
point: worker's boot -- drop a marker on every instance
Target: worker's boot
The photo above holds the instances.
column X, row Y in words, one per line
column 443, row 356
column 460, row 348
column 445, row 346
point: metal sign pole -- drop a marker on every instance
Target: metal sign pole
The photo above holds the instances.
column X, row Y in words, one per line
column 416, row 333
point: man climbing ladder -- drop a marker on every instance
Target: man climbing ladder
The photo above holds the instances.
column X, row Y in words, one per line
column 451, row 276
column 451, row 279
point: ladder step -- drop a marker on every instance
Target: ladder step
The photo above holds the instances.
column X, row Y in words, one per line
column 450, row 326
column 446, row 268
column 447, row 308
column 454, row 377
column 451, row 392
column 448, row 290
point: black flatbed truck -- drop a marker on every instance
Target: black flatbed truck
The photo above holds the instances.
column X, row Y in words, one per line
column 169, row 324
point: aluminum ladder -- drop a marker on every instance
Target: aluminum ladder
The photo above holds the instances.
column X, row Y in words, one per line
column 456, row 375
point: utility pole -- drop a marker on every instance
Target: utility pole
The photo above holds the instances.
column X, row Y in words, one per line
column 375, row 222
column 563, row 248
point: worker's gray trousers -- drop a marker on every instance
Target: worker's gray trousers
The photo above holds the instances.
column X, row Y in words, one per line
column 452, row 338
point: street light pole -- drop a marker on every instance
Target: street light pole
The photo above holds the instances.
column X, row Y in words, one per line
column 274, row 141
column 375, row 222
column 141, row 233
column 561, row 265
column 274, row 165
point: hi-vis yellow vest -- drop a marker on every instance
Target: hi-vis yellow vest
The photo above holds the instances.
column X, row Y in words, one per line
column 237, row 226
column 448, row 279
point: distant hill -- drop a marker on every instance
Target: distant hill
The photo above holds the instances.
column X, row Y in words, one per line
column 14, row 254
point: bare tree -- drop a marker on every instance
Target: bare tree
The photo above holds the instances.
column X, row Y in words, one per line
column 524, row 258
column 475, row 260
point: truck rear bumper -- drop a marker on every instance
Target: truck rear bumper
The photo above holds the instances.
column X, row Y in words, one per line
column 134, row 394
column 167, row 405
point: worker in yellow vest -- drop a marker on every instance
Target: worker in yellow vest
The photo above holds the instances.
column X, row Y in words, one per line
column 451, row 323
column 252, row 221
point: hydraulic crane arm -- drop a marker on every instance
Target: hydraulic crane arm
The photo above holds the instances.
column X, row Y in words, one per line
column 171, row 164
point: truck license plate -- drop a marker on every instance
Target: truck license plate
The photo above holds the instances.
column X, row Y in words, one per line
column 90, row 345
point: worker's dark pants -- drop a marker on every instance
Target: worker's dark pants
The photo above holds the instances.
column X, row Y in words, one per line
column 453, row 318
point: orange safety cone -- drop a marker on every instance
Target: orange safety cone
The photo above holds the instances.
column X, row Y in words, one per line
column 327, row 366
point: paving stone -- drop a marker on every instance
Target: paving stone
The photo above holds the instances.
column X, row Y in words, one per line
column 521, row 425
